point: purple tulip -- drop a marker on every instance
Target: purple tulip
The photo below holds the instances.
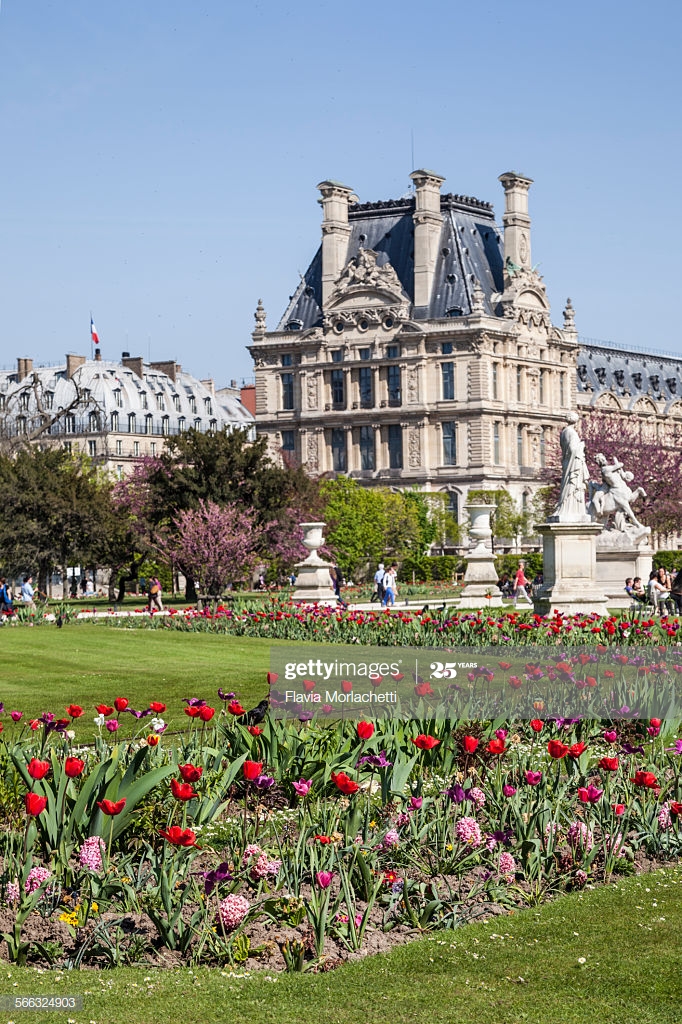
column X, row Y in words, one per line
column 225, row 696
column 677, row 749
column 194, row 702
column 220, row 874
column 375, row 760
column 264, row 782
column 455, row 793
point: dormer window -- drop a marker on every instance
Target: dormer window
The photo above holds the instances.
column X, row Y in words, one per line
column 192, row 403
column 207, row 406
column 118, row 397
column 24, row 399
column 48, row 400
column 143, row 400
column 114, row 421
column 176, row 403
column 160, row 403
column 294, row 325
column 132, row 425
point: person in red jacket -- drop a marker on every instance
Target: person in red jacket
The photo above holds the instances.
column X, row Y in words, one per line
column 520, row 584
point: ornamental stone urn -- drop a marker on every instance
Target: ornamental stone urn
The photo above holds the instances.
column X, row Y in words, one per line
column 480, row 579
column 313, row 582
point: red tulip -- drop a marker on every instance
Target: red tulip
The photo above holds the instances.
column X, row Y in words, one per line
column 343, row 782
column 35, row 804
column 618, row 809
column 656, row 722
column 235, row 708
column 576, row 749
column 496, row 746
column 272, row 678
column 424, row 742
column 121, row 703
column 206, row 714
column 152, row 740
column 675, row 808
column 182, row 790
column 646, row 779
column 157, row 707
column 103, row 709
column 179, row 836
column 424, row 689
column 609, row 764
column 365, row 730
column 37, row 769
column 191, row 712
column 111, row 807
column 74, row 710
column 537, row 725
column 255, row 730
column 309, row 684
column 557, row 749
column 346, row 686
column 190, row 772
column 589, row 794
column 252, row 769
column 73, row 767
column 470, row 744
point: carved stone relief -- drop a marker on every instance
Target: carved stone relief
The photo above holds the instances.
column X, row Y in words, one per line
column 412, row 385
column 414, row 448
column 312, row 394
column 312, row 453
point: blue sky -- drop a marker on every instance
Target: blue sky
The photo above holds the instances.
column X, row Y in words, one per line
column 160, row 158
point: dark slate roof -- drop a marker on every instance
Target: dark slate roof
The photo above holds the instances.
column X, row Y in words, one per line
column 470, row 250
column 628, row 373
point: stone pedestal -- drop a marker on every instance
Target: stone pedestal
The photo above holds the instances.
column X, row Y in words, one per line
column 570, row 570
column 623, row 553
column 313, row 582
column 480, row 579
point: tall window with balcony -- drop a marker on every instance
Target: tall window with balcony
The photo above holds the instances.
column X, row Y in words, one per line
column 541, row 392
column 339, row 461
column 496, row 443
column 366, row 387
column 394, row 385
column 519, row 446
column 519, row 384
column 495, row 383
column 448, row 381
column 395, row 446
column 543, row 452
column 287, row 392
column 367, row 458
column 449, row 444
column 338, row 382
column 562, row 389
column 288, row 446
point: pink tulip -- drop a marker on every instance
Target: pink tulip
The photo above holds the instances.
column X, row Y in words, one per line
column 324, row 879
column 416, row 803
column 302, row 787
column 533, row 778
column 610, row 735
column 112, row 724
column 16, row 715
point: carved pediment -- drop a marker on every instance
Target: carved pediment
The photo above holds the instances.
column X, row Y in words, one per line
column 524, row 298
column 364, row 281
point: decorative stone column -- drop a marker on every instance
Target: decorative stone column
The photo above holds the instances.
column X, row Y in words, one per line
column 569, row 569
column 313, row 582
column 480, row 579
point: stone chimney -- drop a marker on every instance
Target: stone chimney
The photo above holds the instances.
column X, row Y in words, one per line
column 209, row 384
column 335, row 232
column 169, row 367
column 98, row 356
column 134, row 363
column 516, row 220
column 428, row 221
column 24, row 367
column 248, row 398
column 72, row 364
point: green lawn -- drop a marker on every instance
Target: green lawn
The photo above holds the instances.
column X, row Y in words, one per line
column 521, row 968
column 45, row 668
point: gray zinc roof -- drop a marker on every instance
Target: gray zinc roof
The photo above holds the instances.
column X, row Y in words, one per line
column 628, row 374
column 470, row 251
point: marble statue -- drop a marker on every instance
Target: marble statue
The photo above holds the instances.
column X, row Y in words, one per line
column 574, row 476
column 612, row 499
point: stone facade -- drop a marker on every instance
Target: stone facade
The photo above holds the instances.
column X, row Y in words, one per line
column 418, row 349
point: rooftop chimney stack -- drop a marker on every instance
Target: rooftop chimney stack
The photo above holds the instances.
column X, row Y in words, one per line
column 335, row 232
column 516, row 220
column 134, row 363
column 428, row 221
column 24, row 368
column 72, row 364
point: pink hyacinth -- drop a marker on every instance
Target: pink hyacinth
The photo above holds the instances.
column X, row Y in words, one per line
column 507, row 864
column 391, row 839
column 36, row 877
column 614, row 844
column 664, row 819
column 468, row 831
column 579, row 836
column 402, row 819
column 12, row 893
column 90, row 854
column 552, row 828
column 232, row 911
column 580, row 878
column 477, row 796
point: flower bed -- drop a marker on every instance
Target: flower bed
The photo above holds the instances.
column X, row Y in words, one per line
column 295, row 845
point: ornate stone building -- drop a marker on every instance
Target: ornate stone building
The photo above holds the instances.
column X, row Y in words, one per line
column 114, row 412
column 418, row 348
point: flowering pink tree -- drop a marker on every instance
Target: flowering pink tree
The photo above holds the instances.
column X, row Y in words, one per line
column 214, row 544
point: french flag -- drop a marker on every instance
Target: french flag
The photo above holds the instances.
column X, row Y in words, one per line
column 93, row 332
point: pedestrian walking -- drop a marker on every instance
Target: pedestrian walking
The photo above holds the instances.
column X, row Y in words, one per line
column 154, row 594
column 520, row 583
column 378, row 594
column 6, row 606
column 390, row 585
column 337, row 582
column 27, row 593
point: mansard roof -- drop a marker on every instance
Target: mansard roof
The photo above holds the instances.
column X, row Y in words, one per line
column 470, row 252
column 628, row 373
